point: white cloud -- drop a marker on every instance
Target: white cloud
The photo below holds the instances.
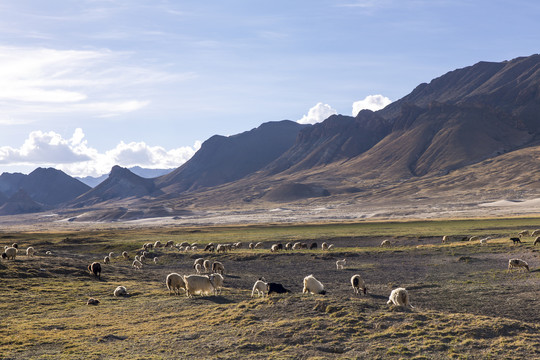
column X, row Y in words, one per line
column 76, row 158
column 371, row 102
column 318, row 113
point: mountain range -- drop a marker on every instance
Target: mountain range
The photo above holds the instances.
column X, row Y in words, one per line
column 473, row 131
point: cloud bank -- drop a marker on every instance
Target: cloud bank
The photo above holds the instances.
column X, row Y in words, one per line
column 318, row 113
column 370, row 102
column 75, row 157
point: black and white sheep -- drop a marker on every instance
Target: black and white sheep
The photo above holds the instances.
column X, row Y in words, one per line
column 10, row 253
column 517, row 263
column 95, row 268
column 358, row 284
column 536, row 241
column 313, row 286
column 385, row 243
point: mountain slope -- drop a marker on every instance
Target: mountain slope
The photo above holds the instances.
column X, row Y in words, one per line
column 20, row 203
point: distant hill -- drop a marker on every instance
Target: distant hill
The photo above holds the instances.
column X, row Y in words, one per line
column 93, row 181
column 20, row 203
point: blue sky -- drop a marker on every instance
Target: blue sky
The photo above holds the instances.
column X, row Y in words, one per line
column 86, row 84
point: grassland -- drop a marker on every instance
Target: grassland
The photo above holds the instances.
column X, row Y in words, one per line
column 467, row 306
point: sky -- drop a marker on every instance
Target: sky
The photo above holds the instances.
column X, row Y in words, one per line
column 89, row 84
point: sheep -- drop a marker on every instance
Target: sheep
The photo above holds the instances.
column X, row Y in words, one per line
column 536, row 241
column 303, row 246
column 198, row 261
column 251, row 246
column 523, row 233
column 358, row 283
column 142, row 258
column 399, row 297
column 218, row 267
column 198, row 268
column 111, row 255
column 125, row 255
column 330, row 247
column 313, row 246
column 158, row 244
column 238, row 245
column 10, row 253
column 277, row 288
column 385, row 243
column 260, row 287
column 106, row 259
column 207, row 265
column 341, row 263
column 198, row 284
column 156, row 259
column 30, row 251
column 95, row 268
column 445, row 238
column 48, row 252
column 120, row 291
column 483, row 241
column 221, row 248
column 288, row 246
column 297, row 246
column 184, row 244
column 92, row 301
column 313, row 286
column 175, row 282
column 169, row 243
column 535, row 233
column 209, row 247
column 15, row 245
column 217, row 280
column 474, row 238
column 137, row 264
column 137, row 258
column 258, row 245
column 515, row 240
column 324, row 246
column 274, row 248
column 517, row 263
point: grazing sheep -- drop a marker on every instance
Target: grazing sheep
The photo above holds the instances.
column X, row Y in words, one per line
column 341, row 263
column 303, row 246
column 313, row 246
column 48, row 252
column 156, row 259
column 198, row 268
column 169, row 243
column 218, row 267
column 175, row 282
column 523, row 233
column 92, row 301
column 198, row 284
column 207, row 265
column 258, row 245
column 184, row 244
column 238, row 245
column 313, row 286
column 297, row 246
column 95, row 268
column 106, row 259
column 111, row 255
column 260, row 287
column 15, row 245
column 385, row 243
column 30, row 251
column 221, row 248
column 445, row 238
column 137, row 264
column 515, row 240
column 484, row 241
column 198, row 261
column 137, row 258
column 324, row 246
column 125, row 255
column 474, row 238
column 517, row 263
column 288, row 246
column 217, row 280
column 277, row 288
column 358, row 283
column 209, row 247
column 251, row 246
column 536, row 241
column 142, row 258
column 10, row 253
column 330, row 247
column 120, row 291
column 274, row 248
column 399, row 297
column 535, row 233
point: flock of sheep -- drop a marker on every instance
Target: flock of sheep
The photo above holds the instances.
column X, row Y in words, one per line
column 209, row 277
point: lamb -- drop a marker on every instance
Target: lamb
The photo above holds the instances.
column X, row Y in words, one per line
column 198, row 284
column 385, row 243
column 106, row 259
column 358, row 283
column 10, row 253
column 207, row 265
column 277, row 288
column 137, row 264
column 218, row 267
column 30, row 251
column 341, row 263
column 95, row 268
column 313, row 286
column 198, row 268
column 515, row 240
column 175, row 282
column 217, row 280
column 523, row 233
column 517, row 263
column 125, row 255
column 536, row 241
column 260, row 287
column 120, row 291
column 399, row 297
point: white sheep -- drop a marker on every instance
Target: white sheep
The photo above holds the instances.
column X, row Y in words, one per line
column 358, row 283
column 120, row 291
column 260, row 287
column 207, row 264
column 385, row 243
column 175, row 282
column 218, row 267
column 313, row 286
column 341, row 263
column 30, row 251
column 399, row 297
column 106, row 259
column 198, row 284
column 523, row 233
column 10, row 253
column 137, row 264
column 198, row 268
column 517, row 263
column 217, row 280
